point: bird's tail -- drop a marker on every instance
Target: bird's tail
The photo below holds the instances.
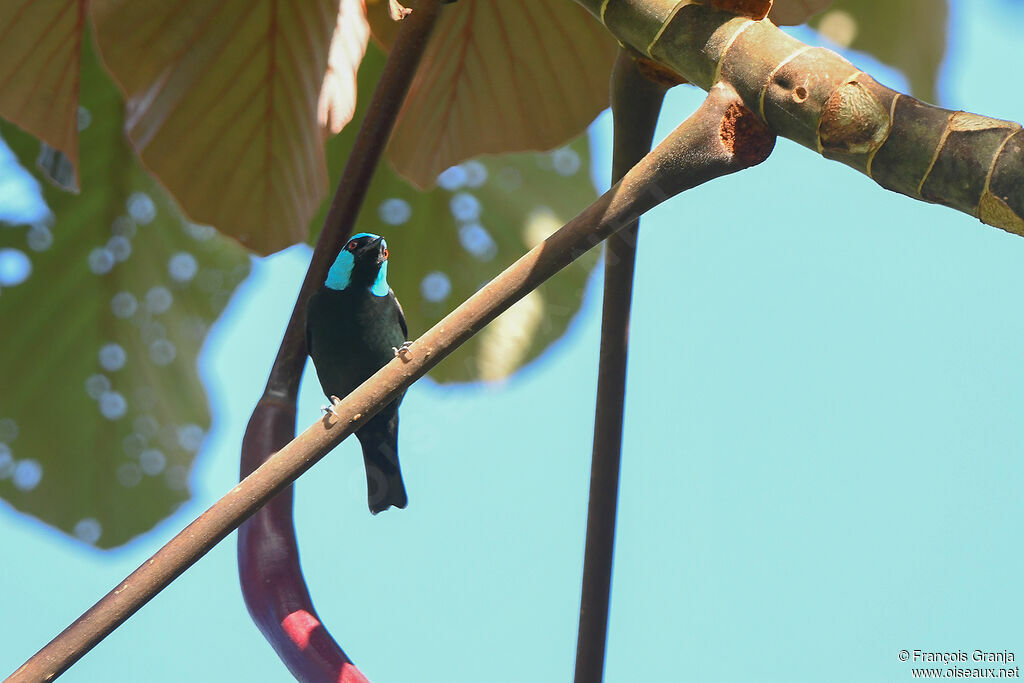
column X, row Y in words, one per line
column 384, row 485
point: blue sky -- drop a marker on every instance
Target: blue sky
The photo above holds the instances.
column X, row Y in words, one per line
column 823, row 459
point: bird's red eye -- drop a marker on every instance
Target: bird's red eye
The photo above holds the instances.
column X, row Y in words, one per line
column 385, row 254
column 351, row 246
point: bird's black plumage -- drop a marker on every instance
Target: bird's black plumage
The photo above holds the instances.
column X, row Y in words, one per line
column 353, row 325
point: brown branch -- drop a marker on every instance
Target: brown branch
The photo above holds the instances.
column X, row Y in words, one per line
column 968, row 162
column 721, row 137
column 269, row 570
column 636, row 102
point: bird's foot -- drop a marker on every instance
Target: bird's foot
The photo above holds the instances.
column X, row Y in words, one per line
column 330, row 409
column 403, row 351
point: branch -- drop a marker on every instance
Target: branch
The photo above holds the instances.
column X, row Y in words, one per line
column 721, row 137
column 811, row 95
column 636, row 102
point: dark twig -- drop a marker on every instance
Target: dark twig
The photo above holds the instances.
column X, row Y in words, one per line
column 269, row 570
column 721, row 137
column 636, row 102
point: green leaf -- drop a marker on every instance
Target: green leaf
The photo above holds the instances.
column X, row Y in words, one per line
column 909, row 35
column 447, row 242
column 102, row 410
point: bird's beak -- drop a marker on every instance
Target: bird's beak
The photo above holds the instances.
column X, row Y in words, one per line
column 378, row 246
column 374, row 249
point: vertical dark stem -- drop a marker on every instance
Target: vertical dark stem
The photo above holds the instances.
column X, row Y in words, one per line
column 636, row 102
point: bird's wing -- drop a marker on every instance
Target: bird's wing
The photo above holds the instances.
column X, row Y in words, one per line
column 401, row 317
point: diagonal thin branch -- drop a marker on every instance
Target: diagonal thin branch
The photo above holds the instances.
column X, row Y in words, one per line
column 721, row 137
column 636, row 102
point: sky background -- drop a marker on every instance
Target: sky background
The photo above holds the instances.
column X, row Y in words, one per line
column 822, row 464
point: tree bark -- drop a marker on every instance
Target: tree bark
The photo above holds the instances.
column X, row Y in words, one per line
column 811, row 95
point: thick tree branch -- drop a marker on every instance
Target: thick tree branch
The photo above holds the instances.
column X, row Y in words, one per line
column 721, row 137
column 636, row 102
column 969, row 162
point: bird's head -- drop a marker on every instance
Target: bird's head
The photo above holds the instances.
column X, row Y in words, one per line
column 363, row 262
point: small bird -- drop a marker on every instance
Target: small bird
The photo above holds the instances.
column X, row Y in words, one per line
column 355, row 326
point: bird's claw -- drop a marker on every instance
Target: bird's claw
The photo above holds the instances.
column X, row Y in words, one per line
column 330, row 409
column 403, row 350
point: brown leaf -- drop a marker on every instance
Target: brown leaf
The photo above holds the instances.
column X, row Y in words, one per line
column 793, row 12
column 499, row 77
column 337, row 101
column 40, row 56
column 222, row 106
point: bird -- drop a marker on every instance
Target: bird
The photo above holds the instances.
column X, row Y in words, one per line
column 355, row 326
